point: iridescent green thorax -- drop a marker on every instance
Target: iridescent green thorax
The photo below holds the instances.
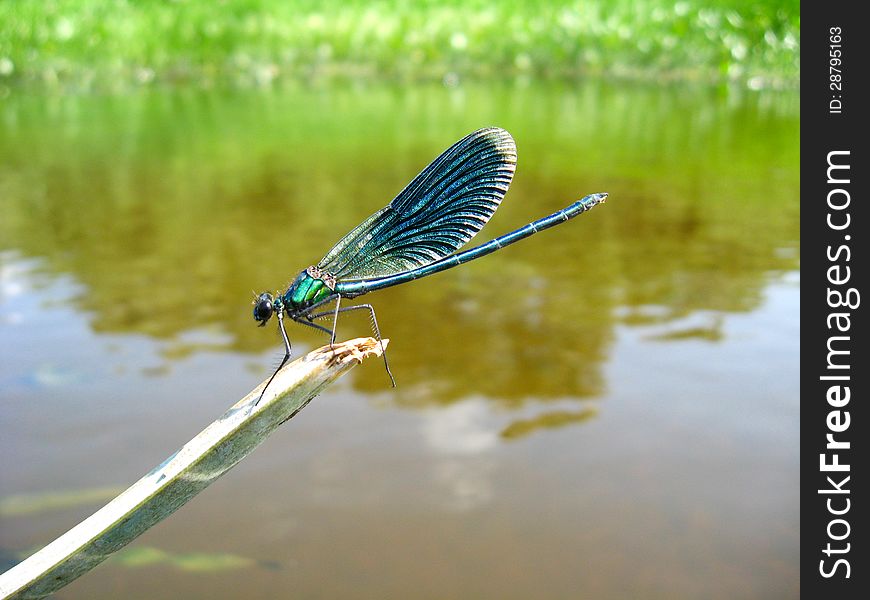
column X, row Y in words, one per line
column 311, row 286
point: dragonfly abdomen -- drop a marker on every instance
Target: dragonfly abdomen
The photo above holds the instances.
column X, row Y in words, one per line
column 350, row 289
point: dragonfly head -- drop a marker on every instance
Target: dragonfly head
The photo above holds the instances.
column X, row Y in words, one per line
column 264, row 306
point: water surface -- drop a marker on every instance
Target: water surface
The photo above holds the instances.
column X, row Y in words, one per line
column 609, row 409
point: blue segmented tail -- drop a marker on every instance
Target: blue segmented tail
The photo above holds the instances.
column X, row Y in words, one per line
column 349, row 289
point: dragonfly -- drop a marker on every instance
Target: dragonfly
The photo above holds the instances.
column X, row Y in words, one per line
column 415, row 235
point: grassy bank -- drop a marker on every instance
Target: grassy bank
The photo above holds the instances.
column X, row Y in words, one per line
column 98, row 44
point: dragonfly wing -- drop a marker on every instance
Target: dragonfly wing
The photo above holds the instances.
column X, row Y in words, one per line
column 437, row 213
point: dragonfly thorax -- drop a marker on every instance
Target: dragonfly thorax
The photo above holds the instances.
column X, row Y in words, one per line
column 310, row 287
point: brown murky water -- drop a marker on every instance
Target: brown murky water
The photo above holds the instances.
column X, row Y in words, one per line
column 606, row 410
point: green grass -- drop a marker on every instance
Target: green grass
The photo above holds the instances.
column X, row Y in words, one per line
column 115, row 44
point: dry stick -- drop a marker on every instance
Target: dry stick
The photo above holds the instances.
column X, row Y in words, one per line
column 213, row 452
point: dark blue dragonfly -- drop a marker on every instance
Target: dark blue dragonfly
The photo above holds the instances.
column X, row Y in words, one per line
column 416, row 235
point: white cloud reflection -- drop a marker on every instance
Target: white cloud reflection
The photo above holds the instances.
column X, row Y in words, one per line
column 461, row 438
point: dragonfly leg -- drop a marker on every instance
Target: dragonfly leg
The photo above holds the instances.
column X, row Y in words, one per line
column 307, row 311
column 335, row 321
column 287, row 351
column 310, row 318
column 307, row 322
column 375, row 329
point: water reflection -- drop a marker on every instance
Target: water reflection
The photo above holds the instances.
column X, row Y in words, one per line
column 169, row 207
column 548, row 420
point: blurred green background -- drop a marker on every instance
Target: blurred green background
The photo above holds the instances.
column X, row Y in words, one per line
column 608, row 409
column 111, row 44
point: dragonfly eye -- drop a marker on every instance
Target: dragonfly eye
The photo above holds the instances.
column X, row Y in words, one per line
column 263, row 308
